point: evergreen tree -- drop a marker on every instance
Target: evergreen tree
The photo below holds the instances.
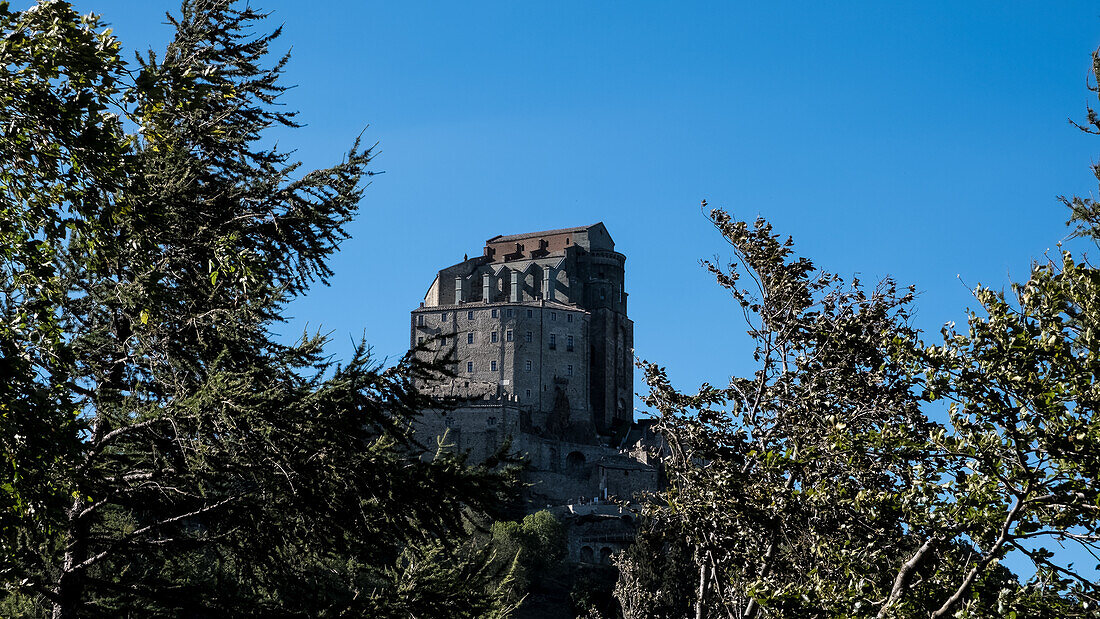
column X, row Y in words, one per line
column 165, row 453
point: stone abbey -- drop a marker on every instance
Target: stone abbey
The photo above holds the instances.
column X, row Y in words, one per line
column 537, row 334
column 540, row 318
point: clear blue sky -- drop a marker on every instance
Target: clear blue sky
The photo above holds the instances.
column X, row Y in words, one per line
column 925, row 142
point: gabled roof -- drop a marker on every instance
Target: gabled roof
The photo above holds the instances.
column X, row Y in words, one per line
column 526, row 235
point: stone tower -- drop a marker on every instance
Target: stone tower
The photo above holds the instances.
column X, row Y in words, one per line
column 540, row 320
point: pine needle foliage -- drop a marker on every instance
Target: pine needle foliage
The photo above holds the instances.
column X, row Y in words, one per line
column 164, row 452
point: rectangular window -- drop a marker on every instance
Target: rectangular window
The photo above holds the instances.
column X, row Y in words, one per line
column 444, row 318
column 568, row 370
column 420, row 320
column 494, row 313
column 528, row 393
column 443, row 341
column 509, row 312
column 469, row 366
column 492, row 421
column 569, row 318
column 530, row 313
column 553, row 315
column 420, row 339
column 508, row 335
column 553, row 342
column 493, row 366
column 527, row 365
column 528, row 337
column 470, row 315
column 569, row 343
column 493, row 337
column 470, row 337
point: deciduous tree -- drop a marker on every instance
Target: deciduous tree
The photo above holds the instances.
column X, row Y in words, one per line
column 826, row 485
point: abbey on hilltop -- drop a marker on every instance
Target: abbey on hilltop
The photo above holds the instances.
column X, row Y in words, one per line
column 540, row 319
column 537, row 333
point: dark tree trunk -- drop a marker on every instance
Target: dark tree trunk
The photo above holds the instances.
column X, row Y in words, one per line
column 70, row 585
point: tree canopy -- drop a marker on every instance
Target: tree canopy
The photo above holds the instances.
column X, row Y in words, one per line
column 164, row 452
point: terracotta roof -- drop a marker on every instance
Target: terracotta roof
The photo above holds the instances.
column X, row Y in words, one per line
column 526, row 235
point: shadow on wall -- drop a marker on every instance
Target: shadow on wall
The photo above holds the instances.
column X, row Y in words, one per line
column 588, row 555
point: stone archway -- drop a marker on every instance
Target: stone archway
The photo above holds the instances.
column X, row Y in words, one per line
column 587, row 554
column 574, row 463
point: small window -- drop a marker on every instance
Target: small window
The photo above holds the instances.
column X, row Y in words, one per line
column 493, row 337
column 420, row 339
column 469, row 366
column 569, row 318
column 553, row 315
column 530, row 313
column 528, row 393
column 443, row 341
column 553, row 342
column 420, row 320
column 492, row 421
column 494, row 313
column 528, row 337
column 444, row 317
column 569, row 343
column 510, row 314
column 527, row 365
column 470, row 337
column 470, row 315
column 508, row 335
column 493, row 366
column 603, row 294
column 569, row 370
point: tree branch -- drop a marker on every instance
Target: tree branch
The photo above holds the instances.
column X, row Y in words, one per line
column 905, row 574
column 143, row 530
column 984, row 562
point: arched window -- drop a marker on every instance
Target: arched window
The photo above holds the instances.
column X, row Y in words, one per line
column 574, row 463
column 587, row 554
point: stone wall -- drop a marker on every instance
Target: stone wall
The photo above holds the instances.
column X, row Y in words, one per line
column 595, row 531
column 561, row 472
column 536, row 352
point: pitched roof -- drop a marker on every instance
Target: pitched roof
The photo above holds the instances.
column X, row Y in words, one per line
column 526, row 235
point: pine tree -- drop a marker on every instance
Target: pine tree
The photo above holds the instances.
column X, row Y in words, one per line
column 166, row 453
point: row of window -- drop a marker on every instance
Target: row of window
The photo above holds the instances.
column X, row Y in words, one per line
column 490, row 421
column 526, row 366
column 553, row 344
column 495, row 314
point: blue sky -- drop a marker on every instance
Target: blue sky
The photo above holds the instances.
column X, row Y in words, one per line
column 926, row 142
